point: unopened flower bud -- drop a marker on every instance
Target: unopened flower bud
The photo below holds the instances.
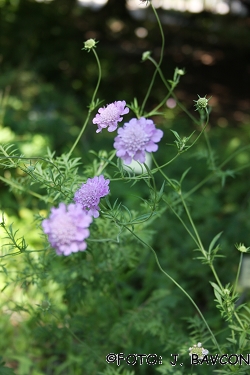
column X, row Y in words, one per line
column 242, row 248
column 201, row 103
column 146, row 55
column 180, row 72
column 45, row 306
column 89, row 44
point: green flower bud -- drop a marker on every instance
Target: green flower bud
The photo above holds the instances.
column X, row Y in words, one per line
column 181, row 72
column 242, row 248
column 201, row 103
column 89, row 44
column 146, row 55
column 45, row 306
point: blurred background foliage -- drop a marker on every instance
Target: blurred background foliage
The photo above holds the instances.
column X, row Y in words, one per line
column 46, row 83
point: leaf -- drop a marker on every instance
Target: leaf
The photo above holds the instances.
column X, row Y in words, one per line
column 184, row 175
column 217, row 295
column 161, row 190
column 211, row 246
column 141, row 218
column 242, row 340
column 235, row 328
column 232, row 340
column 215, row 286
column 176, row 134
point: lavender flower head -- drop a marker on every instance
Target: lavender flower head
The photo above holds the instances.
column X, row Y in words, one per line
column 136, row 137
column 67, row 228
column 90, row 193
column 110, row 116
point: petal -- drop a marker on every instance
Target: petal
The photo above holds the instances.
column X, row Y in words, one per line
column 151, row 147
column 120, row 153
column 156, row 137
column 140, row 156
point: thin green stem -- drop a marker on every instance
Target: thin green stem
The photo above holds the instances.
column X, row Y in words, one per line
column 102, row 166
column 11, row 254
column 160, row 61
column 163, row 174
column 4, row 97
column 173, row 94
column 151, row 113
column 193, row 226
column 178, row 285
column 28, row 158
column 215, row 275
column 238, row 273
column 91, row 107
column 235, row 286
column 202, row 131
column 239, row 320
column 19, row 187
column 199, row 241
column 241, row 168
column 210, row 153
column 235, row 153
column 184, row 225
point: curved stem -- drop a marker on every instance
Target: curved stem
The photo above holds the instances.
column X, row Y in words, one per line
column 216, row 276
column 184, row 225
column 91, row 107
column 163, row 174
column 210, row 153
column 194, row 227
column 173, row 94
column 178, row 285
column 19, row 187
column 233, row 155
column 200, row 242
column 157, row 65
column 29, row 158
column 238, row 273
column 104, row 165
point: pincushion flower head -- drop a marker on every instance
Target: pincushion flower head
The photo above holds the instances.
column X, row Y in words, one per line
column 110, row 116
column 135, row 138
column 67, row 228
column 198, row 350
column 90, row 193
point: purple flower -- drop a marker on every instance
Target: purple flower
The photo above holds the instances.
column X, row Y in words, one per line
column 90, row 193
column 136, row 137
column 67, row 228
column 110, row 116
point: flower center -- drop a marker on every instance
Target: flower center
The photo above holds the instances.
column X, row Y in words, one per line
column 110, row 114
column 135, row 139
column 63, row 229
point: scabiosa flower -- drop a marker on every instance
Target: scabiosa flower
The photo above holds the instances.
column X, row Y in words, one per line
column 67, row 228
column 198, row 350
column 110, row 116
column 90, row 193
column 136, row 137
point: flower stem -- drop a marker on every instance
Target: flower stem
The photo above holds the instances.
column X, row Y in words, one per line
column 159, row 63
column 91, row 106
column 179, row 286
